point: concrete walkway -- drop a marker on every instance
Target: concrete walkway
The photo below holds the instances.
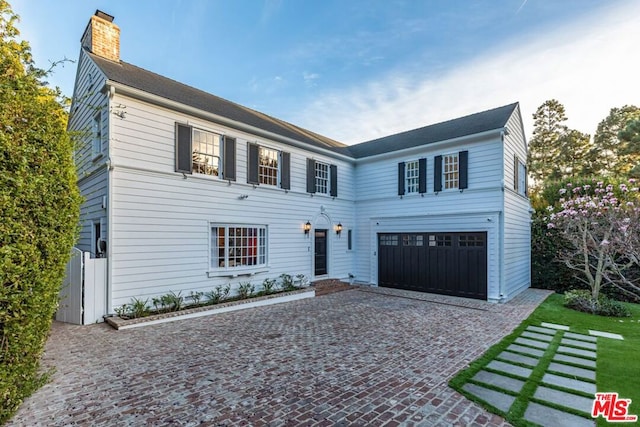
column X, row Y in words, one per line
column 568, row 363
column 358, row 357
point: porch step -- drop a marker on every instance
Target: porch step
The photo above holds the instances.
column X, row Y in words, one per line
column 330, row 286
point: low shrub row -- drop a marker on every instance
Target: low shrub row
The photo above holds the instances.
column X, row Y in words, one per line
column 172, row 301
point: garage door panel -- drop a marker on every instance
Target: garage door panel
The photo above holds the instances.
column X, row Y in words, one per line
column 445, row 263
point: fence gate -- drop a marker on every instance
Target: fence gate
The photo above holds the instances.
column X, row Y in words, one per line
column 70, row 305
column 84, row 290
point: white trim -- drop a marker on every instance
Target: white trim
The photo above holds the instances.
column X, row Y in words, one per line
column 242, row 270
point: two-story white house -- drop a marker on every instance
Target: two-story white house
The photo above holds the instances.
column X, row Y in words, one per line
column 185, row 191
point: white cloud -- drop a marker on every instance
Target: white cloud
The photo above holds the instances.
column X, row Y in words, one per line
column 590, row 65
column 310, row 78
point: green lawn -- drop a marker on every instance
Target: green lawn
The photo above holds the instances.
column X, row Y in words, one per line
column 618, row 365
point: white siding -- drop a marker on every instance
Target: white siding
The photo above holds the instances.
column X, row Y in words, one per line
column 517, row 219
column 380, row 209
column 92, row 172
column 160, row 220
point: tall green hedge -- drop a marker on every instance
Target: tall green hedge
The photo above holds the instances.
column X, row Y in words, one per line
column 39, row 209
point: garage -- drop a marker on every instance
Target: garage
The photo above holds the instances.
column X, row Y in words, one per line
column 443, row 263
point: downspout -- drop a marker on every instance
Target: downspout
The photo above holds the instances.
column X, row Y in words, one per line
column 112, row 92
column 501, row 234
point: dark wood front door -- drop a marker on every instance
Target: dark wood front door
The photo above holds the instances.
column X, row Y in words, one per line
column 320, row 252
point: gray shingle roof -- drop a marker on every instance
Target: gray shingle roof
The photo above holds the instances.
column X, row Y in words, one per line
column 147, row 81
column 468, row 125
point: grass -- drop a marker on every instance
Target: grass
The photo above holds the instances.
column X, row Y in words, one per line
column 618, row 367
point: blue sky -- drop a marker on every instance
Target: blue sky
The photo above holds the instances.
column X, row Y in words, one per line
column 356, row 70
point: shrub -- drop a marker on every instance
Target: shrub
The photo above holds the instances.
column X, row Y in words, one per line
column 286, row 282
column 39, row 207
column 546, row 271
column 245, row 290
column 220, row 293
column 268, row 286
column 582, row 300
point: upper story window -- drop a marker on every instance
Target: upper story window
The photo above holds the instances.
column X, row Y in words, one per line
column 322, row 178
column 238, row 246
column 411, row 175
column 520, row 176
column 97, row 134
column 206, row 152
column 450, row 171
column 268, row 166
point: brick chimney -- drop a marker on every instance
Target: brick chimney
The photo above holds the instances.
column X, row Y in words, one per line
column 102, row 36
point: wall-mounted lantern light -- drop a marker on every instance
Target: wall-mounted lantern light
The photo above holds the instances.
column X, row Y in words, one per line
column 338, row 229
column 307, row 227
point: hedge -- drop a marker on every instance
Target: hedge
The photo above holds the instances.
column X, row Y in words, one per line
column 39, row 210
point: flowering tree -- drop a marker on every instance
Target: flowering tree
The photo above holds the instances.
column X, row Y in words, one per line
column 602, row 225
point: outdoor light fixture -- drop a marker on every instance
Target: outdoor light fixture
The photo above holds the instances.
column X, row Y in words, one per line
column 307, row 227
column 338, row 229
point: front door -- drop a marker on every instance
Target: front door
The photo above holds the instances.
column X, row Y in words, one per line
column 320, row 255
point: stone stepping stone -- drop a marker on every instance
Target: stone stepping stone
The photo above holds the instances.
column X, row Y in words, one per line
column 606, row 335
column 581, row 344
column 575, row 360
column 536, row 336
column 572, row 370
column 532, row 343
column 568, row 400
column 526, row 350
column 495, row 398
column 549, row 417
column 580, row 337
column 555, row 326
column 577, row 352
column 509, row 368
column 569, row 383
column 542, row 330
column 498, row 380
column 518, row 358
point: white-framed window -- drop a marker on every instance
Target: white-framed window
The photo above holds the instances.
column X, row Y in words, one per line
column 238, row 246
column 450, row 171
column 522, row 178
column 97, row 134
column 268, row 166
column 411, row 176
column 322, row 178
column 206, row 153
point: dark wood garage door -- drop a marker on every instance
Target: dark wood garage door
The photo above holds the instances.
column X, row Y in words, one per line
column 443, row 263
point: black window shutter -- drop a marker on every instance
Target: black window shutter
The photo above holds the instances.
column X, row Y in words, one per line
column 401, row 179
column 422, row 176
column 311, row 176
column 437, row 173
column 183, row 148
column 333, row 170
column 516, row 170
column 526, row 182
column 229, row 160
column 252, row 167
column 285, row 171
column 463, row 167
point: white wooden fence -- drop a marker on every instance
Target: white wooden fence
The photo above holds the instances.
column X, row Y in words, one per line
column 83, row 297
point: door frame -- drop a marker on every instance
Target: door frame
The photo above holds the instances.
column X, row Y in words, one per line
column 321, row 221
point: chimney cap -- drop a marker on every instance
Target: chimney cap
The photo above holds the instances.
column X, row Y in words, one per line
column 103, row 15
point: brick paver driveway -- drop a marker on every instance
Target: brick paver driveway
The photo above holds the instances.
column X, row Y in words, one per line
column 358, row 357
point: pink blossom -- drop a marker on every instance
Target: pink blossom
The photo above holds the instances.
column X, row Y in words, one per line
column 604, row 242
column 551, row 225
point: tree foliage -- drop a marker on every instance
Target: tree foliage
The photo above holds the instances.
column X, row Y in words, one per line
column 630, row 137
column 602, row 229
column 555, row 151
column 39, row 207
column 612, row 154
